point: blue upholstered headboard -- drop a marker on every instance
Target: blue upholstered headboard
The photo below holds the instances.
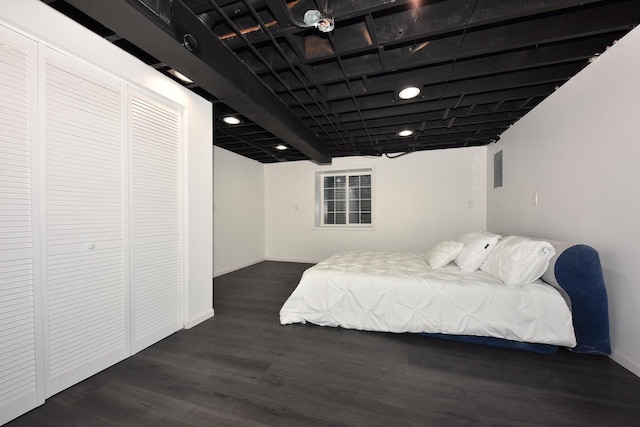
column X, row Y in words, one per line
column 576, row 269
column 576, row 272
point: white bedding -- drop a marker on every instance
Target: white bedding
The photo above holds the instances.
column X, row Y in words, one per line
column 399, row 292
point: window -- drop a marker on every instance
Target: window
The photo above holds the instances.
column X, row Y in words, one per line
column 344, row 198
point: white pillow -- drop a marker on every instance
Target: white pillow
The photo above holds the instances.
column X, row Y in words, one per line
column 443, row 253
column 477, row 247
column 518, row 261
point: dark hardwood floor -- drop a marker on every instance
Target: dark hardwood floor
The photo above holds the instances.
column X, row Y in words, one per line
column 242, row 368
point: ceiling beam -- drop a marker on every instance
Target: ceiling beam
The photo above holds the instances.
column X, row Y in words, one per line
column 432, row 117
column 248, row 142
column 518, row 79
column 469, row 102
column 212, row 66
column 422, row 21
column 498, row 62
column 592, row 21
column 341, row 11
column 437, row 129
column 277, row 9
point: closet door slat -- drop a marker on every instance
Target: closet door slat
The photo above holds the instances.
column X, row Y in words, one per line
column 156, row 223
column 21, row 387
column 86, row 228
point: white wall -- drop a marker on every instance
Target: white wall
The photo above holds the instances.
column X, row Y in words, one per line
column 579, row 150
column 238, row 216
column 419, row 199
column 199, row 214
column 49, row 27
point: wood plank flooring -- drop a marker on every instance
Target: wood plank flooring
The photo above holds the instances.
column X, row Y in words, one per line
column 242, row 368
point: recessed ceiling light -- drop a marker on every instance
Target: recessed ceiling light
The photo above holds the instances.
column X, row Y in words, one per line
column 406, row 132
column 231, row 120
column 281, row 147
column 180, row 76
column 409, row 92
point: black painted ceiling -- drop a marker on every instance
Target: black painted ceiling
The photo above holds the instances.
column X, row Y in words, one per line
column 481, row 65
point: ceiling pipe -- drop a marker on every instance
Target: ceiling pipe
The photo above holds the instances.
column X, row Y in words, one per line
column 184, row 43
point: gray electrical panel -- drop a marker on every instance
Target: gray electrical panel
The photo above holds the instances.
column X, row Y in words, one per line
column 497, row 169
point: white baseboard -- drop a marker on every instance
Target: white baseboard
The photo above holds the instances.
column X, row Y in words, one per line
column 236, row 267
column 305, row 261
column 198, row 319
column 626, row 363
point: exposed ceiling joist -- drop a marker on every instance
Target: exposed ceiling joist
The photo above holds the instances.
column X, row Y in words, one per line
column 480, row 65
column 212, row 65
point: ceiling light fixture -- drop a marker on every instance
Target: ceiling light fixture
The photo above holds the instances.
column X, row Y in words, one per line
column 406, row 132
column 281, row 147
column 409, row 92
column 180, row 76
column 231, row 120
column 323, row 21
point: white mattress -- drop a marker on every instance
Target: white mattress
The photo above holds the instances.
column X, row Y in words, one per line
column 399, row 292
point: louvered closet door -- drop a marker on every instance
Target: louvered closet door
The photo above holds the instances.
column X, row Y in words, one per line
column 156, row 201
column 21, row 385
column 86, row 298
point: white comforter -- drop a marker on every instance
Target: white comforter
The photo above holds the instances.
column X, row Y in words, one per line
column 399, row 292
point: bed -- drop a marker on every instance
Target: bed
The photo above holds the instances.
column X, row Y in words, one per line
column 402, row 293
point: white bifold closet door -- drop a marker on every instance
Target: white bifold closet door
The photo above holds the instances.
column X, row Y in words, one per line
column 156, row 219
column 21, row 385
column 85, row 223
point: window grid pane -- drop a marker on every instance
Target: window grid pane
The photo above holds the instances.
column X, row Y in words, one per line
column 360, row 199
column 328, row 181
column 342, row 207
column 329, row 194
column 329, row 218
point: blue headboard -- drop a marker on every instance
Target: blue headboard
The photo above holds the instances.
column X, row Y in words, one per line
column 576, row 269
